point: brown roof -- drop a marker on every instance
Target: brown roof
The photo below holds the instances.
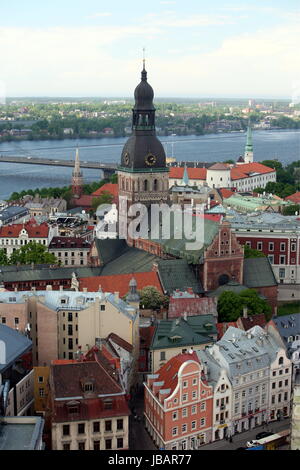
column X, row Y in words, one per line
column 252, row 320
column 120, row 342
column 220, row 166
column 193, row 173
column 69, row 242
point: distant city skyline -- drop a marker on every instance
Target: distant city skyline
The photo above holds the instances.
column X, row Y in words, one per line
column 194, row 49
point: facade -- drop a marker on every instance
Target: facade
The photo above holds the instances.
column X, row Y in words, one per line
column 70, row 251
column 41, row 389
column 240, row 177
column 38, row 206
column 260, row 376
column 61, row 321
column 295, row 431
column 178, row 404
column 88, row 406
column 15, row 236
column 277, row 236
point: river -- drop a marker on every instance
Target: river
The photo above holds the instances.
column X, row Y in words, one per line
column 281, row 144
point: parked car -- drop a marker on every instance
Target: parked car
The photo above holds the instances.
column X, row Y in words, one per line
column 263, row 434
column 252, row 443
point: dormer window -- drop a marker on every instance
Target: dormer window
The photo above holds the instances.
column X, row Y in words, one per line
column 88, row 386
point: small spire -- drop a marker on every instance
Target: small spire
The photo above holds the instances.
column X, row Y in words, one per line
column 185, row 176
column 249, row 144
column 144, row 73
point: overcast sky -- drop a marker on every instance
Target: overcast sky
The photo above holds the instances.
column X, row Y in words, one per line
column 194, row 48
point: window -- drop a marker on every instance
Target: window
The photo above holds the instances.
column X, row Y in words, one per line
column 119, row 424
column 81, row 445
column 66, row 430
column 184, row 412
column 203, row 406
column 16, row 320
column 271, row 258
column 120, row 442
column 287, row 370
column 175, row 415
column 281, row 273
column 194, row 394
column 3, row 320
column 185, row 397
column 282, row 259
column 271, row 246
column 193, row 424
column 96, row 445
column 162, row 355
column 185, row 384
column 41, row 392
column 273, row 385
column 70, row 316
column 107, row 444
column 70, row 343
column 194, row 409
column 174, row 431
column 102, row 307
column 184, row 428
column 108, row 426
column 41, row 380
column 194, row 381
column 96, row 426
column 66, row 446
column 259, row 246
column 280, row 360
column 293, row 246
column 202, row 422
column 282, row 246
column 81, row 428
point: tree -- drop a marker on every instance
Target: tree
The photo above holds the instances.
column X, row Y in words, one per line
column 3, row 258
column 32, row 253
column 229, row 307
column 251, row 253
column 291, row 209
column 151, row 298
column 105, row 198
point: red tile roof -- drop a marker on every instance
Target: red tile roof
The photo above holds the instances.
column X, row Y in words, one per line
column 242, row 171
column 69, row 242
column 33, row 229
column 222, row 327
column 192, row 306
column 120, row 282
column 168, row 373
column 112, row 188
column 84, row 201
column 253, row 320
column 294, row 198
column 225, row 193
column 193, row 173
column 120, row 342
column 220, row 166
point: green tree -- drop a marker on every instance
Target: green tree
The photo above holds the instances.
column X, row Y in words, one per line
column 151, row 298
column 254, row 303
column 251, row 253
column 229, row 307
column 32, row 253
column 291, row 209
column 105, row 198
column 3, row 258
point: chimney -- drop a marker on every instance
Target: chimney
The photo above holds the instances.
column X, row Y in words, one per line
column 49, row 287
column 84, row 289
column 33, row 289
column 61, row 288
column 16, row 289
column 245, row 312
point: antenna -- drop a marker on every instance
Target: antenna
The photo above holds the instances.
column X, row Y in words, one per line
column 144, row 60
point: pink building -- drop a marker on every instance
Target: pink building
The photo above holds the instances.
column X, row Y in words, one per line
column 178, row 404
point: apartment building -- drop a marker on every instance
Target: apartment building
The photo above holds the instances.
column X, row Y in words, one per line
column 59, row 322
column 178, row 404
column 88, row 406
column 70, row 251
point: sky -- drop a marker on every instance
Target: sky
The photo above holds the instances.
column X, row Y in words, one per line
column 193, row 48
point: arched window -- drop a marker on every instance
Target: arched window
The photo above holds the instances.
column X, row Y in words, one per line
column 155, row 185
column 280, row 361
column 145, row 185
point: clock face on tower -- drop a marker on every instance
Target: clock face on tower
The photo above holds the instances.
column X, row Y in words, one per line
column 126, row 158
column 150, row 159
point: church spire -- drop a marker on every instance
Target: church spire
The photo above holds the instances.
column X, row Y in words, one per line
column 248, row 156
column 185, row 178
column 77, row 180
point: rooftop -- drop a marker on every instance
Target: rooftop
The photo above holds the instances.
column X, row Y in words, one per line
column 21, row 433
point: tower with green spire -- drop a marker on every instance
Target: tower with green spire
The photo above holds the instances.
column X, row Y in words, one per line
column 248, row 155
column 185, row 178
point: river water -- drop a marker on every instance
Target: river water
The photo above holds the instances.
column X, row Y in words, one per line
column 283, row 145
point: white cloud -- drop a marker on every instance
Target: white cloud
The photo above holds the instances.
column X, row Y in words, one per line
column 79, row 62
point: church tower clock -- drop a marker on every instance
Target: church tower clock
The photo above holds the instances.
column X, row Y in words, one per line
column 143, row 176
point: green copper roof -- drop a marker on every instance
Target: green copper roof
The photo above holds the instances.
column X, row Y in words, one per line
column 177, row 274
column 198, row 329
column 249, row 144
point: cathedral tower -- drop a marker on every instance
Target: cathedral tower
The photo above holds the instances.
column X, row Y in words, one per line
column 143, row 176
